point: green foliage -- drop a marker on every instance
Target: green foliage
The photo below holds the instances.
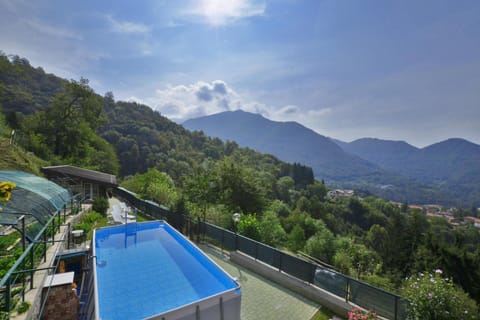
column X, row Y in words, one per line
column 434, row 297
column 296, row 238
column 249, row 227
column 100, row 205
column 321, row 245
column 271, row 230
column 200, row 191
column 153, row 185
column 237, row 187
column 355, row 258
column 90, row 221
column 23, row 307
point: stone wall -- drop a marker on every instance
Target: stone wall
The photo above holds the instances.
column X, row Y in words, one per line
column 62, row 303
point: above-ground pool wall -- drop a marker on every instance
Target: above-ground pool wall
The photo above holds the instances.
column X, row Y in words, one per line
column 225, row 306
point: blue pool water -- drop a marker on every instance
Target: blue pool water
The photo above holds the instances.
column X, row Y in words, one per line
column 145, row 269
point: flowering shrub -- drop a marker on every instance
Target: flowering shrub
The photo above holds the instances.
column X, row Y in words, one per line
column 432, row 296
column 359, row 314
column 6, row 188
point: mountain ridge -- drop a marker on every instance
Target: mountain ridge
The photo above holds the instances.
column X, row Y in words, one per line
column 293, row 142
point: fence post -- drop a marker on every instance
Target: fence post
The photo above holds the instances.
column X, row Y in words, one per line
column 396, row 308
column 68, row 235
column 347, row 289
column 45, row 246
column 32, row 264
column 280, row 260
column 223, row 240
column 198, row 229
column 7, row 295
column 64, row 213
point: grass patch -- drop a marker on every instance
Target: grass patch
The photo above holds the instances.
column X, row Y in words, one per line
column 323, row 314
column 90, row 221
column 15, row 158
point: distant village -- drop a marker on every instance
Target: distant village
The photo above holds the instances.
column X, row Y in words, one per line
column 453, row 216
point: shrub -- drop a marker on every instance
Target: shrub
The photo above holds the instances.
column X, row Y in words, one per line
column 23, row 307
column 434, row 297
column 100, row 205
column 359, row 314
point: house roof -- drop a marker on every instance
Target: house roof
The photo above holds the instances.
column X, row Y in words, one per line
column 84, row 174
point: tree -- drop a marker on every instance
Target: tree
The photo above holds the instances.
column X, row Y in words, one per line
column 271, row 230
column 72, row 114
column 249, row 227
column 153, row 185
column 200, row 191
column 285, row 186
column 296, row 238
column 321, row 245
column 237, row 187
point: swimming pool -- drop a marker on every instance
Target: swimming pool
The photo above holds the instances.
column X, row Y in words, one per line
column 149, row 270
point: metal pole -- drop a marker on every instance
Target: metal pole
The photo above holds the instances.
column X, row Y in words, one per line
column 64, row 213
column 7, row 295
column 45, row 246
column 32, row 265
column 68, row 235
column 24, row 238
column 396, row 307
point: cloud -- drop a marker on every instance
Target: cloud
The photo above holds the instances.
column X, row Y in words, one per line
column 221, row 12
column 51, row 30
column 127, row 26
column 182, row 102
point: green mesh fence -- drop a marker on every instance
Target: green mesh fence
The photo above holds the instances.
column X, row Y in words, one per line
column 384, row 303
column 331, row 281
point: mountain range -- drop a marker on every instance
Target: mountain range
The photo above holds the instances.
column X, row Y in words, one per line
column 446, row 173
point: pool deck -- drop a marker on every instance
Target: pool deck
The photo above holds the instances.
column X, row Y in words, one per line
column 261, row 298
column 118, row 210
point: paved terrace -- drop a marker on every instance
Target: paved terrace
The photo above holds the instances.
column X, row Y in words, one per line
column 261, row 298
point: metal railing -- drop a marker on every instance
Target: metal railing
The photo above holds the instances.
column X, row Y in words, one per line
column 20, row 277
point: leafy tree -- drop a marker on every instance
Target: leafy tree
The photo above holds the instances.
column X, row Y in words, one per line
column 153, row 185
column 285, row 186
column 271, row 230
column 249, row 226
column 321, row 245
column 296, row 238
column 237, row 188
column 200, row 191
column 71, row 115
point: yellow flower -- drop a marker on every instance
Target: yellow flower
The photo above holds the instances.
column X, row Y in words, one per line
column 6, row 188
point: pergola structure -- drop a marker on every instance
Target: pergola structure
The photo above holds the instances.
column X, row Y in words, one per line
column 86, row 183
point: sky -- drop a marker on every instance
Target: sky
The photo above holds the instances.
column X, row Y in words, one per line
column 399, row 70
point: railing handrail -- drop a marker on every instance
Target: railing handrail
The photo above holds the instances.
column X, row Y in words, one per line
column 27, row 250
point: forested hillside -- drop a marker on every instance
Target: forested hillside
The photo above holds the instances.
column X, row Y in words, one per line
column 280, row 204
